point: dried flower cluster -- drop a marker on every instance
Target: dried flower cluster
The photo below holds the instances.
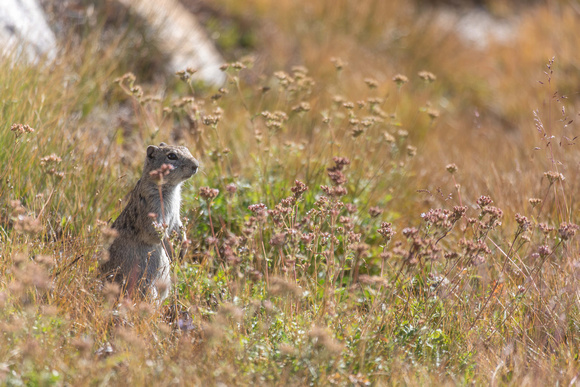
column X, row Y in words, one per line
column 451, row 168
column 427, row 76
column 386, row 231
column 20, row 129
column 208, row 193
column 567, row 230
column 400, row 79
column 554, row 177
column 158, row 174
column 51, row 159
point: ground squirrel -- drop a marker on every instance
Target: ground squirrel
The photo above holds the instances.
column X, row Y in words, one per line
column 139, row 256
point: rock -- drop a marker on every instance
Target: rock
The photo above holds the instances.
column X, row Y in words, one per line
column 476, row 26
column 24, row 31
column 181, row 37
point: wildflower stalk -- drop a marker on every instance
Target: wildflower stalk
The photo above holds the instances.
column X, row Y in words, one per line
column 515, row 304
column 329, row 264
column 519, row 231
column 209, row 194
column 211, row 227
column 264, row 256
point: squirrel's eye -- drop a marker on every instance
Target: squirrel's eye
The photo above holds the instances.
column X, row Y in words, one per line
column 172, row 156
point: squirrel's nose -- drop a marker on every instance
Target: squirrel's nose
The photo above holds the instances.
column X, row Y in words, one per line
column 194, row 168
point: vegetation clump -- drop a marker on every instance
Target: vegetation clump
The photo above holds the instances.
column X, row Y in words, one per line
column 350, row 225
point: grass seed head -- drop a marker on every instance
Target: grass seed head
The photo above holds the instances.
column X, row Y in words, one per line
column 323, row 339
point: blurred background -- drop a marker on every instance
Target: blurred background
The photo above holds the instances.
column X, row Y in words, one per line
column 464, row 82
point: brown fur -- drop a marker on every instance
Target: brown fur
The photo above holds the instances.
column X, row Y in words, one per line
column 138, row 257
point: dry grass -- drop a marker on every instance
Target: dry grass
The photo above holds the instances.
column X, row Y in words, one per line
column 378, row 204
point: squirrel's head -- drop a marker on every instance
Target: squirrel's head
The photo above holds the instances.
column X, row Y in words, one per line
column 175, row 163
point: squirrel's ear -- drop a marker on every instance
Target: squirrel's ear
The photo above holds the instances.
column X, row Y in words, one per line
column 150, row 150
column 163, row 144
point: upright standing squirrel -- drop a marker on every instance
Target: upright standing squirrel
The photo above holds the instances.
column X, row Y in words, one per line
column 138, row 257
